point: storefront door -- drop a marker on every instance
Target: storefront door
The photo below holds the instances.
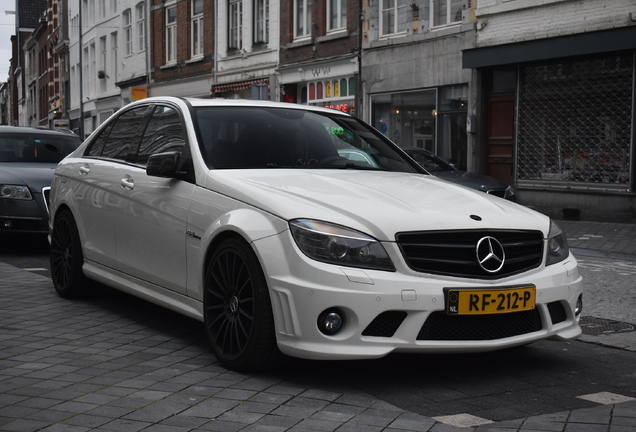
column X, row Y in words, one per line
column 500, row 137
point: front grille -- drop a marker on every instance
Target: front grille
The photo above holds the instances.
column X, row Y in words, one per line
column 385, row 324
column 46, row 193
column 453, row 253
column 439, row 326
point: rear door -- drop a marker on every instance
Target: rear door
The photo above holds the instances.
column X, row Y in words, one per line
column 97, row 194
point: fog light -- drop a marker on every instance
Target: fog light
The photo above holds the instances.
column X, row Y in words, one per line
column 330, row 321
column 579, row 305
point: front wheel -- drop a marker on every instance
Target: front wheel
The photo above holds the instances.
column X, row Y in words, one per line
column 237, row 309
column 66, row 257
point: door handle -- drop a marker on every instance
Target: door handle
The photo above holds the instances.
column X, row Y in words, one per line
column 127, row 183
column 84, row 169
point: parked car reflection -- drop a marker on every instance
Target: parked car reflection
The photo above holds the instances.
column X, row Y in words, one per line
column 442, row 169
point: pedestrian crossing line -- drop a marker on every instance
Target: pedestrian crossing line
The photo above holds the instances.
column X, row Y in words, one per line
column 462, row 420
column 606, row 398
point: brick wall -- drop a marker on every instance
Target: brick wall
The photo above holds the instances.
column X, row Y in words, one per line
column 505, row 22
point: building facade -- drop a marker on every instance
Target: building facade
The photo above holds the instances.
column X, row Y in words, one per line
column 539, row 94
column 555, row 103
column 415, row 90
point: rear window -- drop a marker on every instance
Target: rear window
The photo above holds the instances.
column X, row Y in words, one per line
column 46, row 148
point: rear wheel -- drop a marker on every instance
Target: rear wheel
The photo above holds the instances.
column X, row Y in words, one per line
column 66, row 257
column 238, row 312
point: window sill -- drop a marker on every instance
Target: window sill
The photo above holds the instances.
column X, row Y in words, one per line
column 168, row 66
column 299, row 43
column 194, row 60
column 339, row 34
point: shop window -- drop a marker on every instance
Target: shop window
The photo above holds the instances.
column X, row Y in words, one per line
column 406, row 118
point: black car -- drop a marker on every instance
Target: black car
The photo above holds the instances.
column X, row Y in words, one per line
column 28, row 157
column 442, row 169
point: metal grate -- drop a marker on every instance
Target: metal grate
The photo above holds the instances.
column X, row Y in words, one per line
column 440, row 326
column 575, row 120
column 599, row 326
column 385, row 324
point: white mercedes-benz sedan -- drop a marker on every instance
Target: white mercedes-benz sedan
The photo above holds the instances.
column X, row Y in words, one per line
column 249, row 217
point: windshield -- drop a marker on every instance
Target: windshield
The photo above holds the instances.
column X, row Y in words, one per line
column 252, row 137
column 45, row 148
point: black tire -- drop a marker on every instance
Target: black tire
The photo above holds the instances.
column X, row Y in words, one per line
column 66, row 257
column 237, row 309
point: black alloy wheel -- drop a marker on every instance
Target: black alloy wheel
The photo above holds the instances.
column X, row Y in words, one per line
column 237, row 309
column 66, row 257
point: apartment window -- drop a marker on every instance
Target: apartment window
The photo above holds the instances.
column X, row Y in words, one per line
column 103, row 55
column 102, row 9
column 394, row 17
column 445, row 12
column 235, row 38
column 302, row 18
column 113, row 55
column 171, row 34
column 128, row 39
column 337, row 13
column 141, row 26
column 261, row 21
column 113, row 6
column 197, row 28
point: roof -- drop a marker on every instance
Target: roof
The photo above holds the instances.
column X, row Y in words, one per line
column 29, row 13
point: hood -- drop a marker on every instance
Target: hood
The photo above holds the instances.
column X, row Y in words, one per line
column 475, row 181
column 377, row 203
column 34, row 175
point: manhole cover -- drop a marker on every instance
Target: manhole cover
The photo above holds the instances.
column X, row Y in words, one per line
column 599, row 326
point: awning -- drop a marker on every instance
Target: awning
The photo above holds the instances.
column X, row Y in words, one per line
column 623, row 38
column 242, row 85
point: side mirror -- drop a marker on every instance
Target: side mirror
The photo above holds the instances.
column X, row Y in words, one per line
column 164, row 164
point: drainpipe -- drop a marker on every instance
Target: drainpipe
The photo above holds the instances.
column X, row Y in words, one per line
column 81, row 75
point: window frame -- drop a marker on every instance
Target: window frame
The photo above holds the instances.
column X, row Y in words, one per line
column 393, row 12
column 449, row 20
column 171, row 35
column 196, row 29
column 140, row 9
column 128, row 32
column 302, row 30
column 261, row 22
column 340, row 15
column 235, row 25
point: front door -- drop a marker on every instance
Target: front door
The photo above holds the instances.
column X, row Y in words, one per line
column 500, row 137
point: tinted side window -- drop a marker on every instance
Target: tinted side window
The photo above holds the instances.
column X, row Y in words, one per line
column 124, row 136
column 97, row 146
column 165, row 132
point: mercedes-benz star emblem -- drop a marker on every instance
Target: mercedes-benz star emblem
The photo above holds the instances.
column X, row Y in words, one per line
column 490, row 254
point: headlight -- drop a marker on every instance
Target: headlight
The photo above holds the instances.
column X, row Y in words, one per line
column 338, row 245
column 15, row 192
column 558, row 249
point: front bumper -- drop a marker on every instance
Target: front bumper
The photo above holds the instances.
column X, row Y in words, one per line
column 404, row 311
column 27, row 216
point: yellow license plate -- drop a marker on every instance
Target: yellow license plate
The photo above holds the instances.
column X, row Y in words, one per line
column 490, row 301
